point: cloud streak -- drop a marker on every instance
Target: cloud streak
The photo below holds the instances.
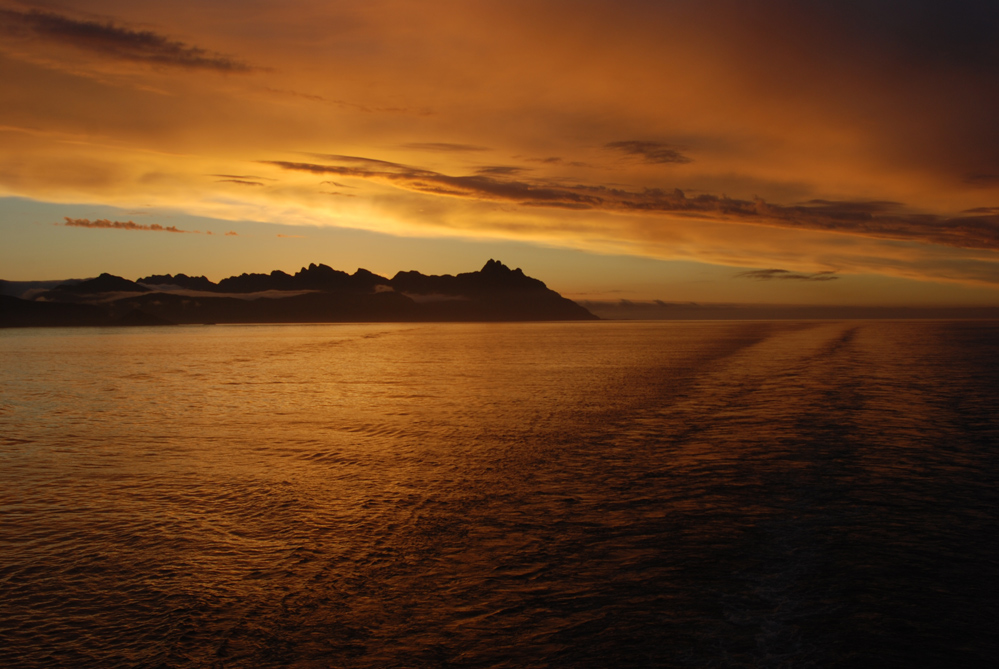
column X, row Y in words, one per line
column 782, row 274
column 878, row 219
column 114, row 41
column 241, row 182
column 650, row 152
column 105, row 224
column 444, row 147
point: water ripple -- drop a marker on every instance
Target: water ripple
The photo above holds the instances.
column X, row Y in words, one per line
column 504, row 495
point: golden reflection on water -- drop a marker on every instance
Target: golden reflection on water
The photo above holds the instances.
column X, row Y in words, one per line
column 571, row 494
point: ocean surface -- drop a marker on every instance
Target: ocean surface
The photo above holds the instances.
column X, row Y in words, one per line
column 683, row 494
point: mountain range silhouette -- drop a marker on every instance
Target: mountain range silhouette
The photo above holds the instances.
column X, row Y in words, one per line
column 315, row 294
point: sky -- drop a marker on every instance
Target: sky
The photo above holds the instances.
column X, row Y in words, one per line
column 777, row 151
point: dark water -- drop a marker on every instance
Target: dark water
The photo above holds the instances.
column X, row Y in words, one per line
column 816, row 494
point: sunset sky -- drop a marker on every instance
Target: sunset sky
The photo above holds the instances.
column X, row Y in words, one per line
column 824, row 152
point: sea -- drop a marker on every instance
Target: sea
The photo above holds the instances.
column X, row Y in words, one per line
column 596, row 494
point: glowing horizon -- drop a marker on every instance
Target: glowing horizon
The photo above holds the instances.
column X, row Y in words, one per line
column 709, row 138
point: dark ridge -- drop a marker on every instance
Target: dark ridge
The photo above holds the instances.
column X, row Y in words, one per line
column 105, row 283
column 255, row 283
column 370, row 280
column 320, row 277
column 315, row 294
column 313, row 277
column 493, row 277
column 180, row 280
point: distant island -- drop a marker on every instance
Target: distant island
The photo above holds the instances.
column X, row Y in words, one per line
column 315, row 294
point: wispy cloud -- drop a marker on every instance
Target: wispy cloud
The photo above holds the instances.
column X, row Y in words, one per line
column 115, row 41
column 770, row 274
column 427, row 181
column 105, row 224
column 360, row 160
column 879, row 219
column 249, row 177
column 500, row 170
column 121, row 225
column 242, row 179
column 443, row 147
column 650, row 152
column 242, row 182
column 556, row 160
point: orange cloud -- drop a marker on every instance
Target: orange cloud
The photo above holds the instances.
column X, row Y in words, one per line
column 813, row 137
column 650, row 152
column 105, row 224
column 884, row 220
column 241, row 182
column 783, row 274
column 108, row 39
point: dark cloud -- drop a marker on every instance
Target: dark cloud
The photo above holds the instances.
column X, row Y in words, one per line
column 649, row 152
column 242, row 182
column 850, row 210
column 443, row 146
column 248, row 177
column 120, row 225
column 769, row 274
column 108, row 39
column 884, row 220
column 242, row 179
column 556, row 160
column 476, row 186
column 879, row 219
column 500, row 170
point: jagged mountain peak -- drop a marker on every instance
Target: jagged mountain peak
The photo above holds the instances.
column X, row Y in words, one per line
column 495, row 267
column 181, row 280
column 105, row 283
column 317, row 293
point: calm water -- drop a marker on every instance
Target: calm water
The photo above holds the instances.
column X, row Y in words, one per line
column 508, row 495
